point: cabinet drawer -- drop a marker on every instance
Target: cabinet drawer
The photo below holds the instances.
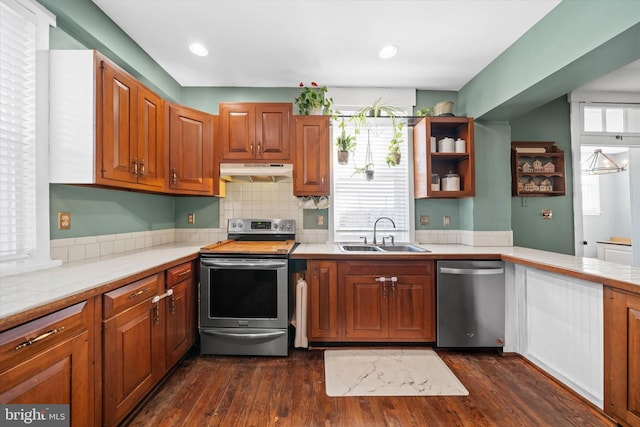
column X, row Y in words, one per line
column 127, row 296
column 179, row 273
column 383, row 267
column 36, row 336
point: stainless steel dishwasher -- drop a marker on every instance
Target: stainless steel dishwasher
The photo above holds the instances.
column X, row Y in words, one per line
column 470, row 303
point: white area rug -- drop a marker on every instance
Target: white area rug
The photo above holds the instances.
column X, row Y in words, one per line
column 393, row 372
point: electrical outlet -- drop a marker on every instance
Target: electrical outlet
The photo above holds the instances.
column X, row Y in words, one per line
column 424, row 220
column 64, row 220
column 446, row 221
column 191, row 218
column 320, row 219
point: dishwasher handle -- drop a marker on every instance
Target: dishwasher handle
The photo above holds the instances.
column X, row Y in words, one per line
column 472, row 271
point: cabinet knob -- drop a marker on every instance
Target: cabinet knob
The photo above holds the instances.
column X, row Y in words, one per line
column 174, row 176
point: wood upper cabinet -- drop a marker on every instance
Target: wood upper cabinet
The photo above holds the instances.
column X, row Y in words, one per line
column 311, row 173
column 130, row 140
column 190, row 135
column 388, row 301
column 255, row 131
column 49, row 361
column 133, row 345
column 622, row 356
column 427, row 162
column 537, row 169
column 322, row 282
column 181, row 312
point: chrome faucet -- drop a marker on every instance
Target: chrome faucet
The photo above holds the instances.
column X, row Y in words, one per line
column 375, row 225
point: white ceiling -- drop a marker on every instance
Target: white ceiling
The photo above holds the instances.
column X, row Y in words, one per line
column 279, row 43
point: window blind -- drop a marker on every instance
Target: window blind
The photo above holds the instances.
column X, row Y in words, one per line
column 17, row 132
column 357, row 203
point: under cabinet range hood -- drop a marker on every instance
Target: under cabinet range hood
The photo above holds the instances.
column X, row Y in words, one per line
column 256, row 172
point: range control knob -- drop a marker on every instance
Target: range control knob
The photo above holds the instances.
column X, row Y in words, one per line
column 275, row 226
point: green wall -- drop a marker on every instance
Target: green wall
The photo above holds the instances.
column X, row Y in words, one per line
column 548, row 123
column 577, row 42
column 96, row 211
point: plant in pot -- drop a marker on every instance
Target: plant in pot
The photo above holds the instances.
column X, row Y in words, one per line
column 313, row 100
column 377, row 109
column 422, row 112
column 393, row 157
column 346, row 143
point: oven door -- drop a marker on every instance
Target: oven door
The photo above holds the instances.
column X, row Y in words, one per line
column 243, row 293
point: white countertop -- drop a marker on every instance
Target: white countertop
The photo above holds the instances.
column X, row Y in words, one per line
column 30, row 290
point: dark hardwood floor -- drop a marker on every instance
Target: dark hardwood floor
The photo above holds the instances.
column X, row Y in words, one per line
column 261, row 391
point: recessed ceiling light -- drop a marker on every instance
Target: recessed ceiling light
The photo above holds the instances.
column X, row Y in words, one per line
column 198, row 49
column 388, row 51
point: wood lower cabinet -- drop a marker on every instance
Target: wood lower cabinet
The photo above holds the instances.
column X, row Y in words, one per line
column 350, row 302
column 190, row 136
column 49, row 361
column 390, row 301
column 622, row 356
column 181, row 313
column 255, row 131
column 133, row 345
column 311, row 173
column 322, row 282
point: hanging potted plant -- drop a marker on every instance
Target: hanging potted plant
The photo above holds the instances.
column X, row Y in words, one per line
column 367, row 169
column 378, row 109
column 313, row 100
column 393, row 158
column 346, row 144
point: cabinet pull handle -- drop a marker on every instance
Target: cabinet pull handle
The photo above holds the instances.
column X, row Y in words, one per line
column 251, row 148
column 140, row 292
column 315, row 273
column 156, row 312
column 172, row 305
column 393, row 286
column 174, row 176
column 182, row 273
column 322, row 181
column 134, row 167
column 259, row 147
column 142, row 167
column 39, row 338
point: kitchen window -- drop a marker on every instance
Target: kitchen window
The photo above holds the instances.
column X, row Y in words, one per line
column 24, row 191
column 358, row 202
column 611, row 119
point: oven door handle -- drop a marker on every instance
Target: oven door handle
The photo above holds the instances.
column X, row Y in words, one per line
column 244, row 264
column 271, row 334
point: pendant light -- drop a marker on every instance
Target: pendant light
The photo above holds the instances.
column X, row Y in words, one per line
column 599, row 164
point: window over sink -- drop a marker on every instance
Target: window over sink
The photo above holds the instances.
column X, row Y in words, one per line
column 358, row 202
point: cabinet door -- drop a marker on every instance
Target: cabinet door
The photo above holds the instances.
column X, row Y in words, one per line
column 150, row 157
column 272, row 131
column 322, row 279
column 366, row 308
column 117, row 147
column 48, row 361
column 412, row 309
column 190, row 151
column 311, row 166
column 181, row 316
column 622, row 356
column 238, row 131
column 134, row 357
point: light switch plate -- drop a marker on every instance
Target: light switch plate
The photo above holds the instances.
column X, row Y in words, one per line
column 446, row 221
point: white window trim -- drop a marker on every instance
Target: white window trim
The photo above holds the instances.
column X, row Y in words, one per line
column 41, row 257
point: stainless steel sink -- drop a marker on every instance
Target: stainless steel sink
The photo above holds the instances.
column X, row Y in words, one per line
column 402, row 248
column 349, row 247
column 358, row 248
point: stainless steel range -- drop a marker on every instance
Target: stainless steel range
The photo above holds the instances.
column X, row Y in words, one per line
column 246, row 300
